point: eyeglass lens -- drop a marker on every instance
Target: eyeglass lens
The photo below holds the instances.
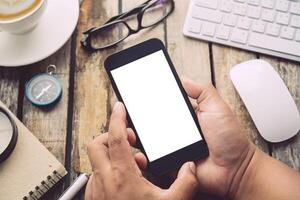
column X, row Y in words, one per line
column 118, row 31
column 156, row 12
column 109, row 35
column 6, row 132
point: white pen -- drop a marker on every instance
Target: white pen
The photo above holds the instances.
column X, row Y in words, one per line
column 75, row 187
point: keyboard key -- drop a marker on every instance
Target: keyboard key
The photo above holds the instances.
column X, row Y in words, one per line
column 253, row 2
column 297, row 37
column 223, row 32
column 239, row 36
column 273, row 29
column 287, row 32
column 268, row 15
column 274, row 44
column 226, row 6
column 258, row 26
column 230, row 20
column 207, row 15
column 240, row 9
column 267, row 3
column 295, row 8
column 244, row 23
column 241, row 1
column 283, row 18
column 194, row 26
column 208, row 29
column 253, row 12
column 213, row 4
column 265, row 26
column 282, row 5
column 295, row 21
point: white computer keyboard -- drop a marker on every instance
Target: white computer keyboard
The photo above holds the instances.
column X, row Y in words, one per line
column 265, row 26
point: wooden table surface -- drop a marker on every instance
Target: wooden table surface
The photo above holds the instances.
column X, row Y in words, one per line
column 88, row 98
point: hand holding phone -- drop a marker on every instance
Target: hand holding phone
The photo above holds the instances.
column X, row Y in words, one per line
column 116, row 175
column 159, row 111
column 230, row 150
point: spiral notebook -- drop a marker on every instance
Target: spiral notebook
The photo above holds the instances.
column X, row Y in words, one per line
column 31, row 170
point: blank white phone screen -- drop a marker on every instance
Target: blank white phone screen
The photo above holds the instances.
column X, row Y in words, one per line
column 156, row 105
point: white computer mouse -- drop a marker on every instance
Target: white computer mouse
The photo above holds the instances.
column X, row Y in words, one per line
column 267, row 99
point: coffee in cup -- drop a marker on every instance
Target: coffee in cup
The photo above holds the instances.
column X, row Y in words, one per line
column 20, row 16
column 13, row 9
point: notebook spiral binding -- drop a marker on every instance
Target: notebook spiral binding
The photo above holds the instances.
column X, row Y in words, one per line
column 45, row 185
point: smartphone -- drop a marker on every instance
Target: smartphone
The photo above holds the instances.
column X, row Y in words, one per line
column 158, row 108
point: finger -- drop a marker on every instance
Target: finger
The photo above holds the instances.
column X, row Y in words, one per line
column 194, row 104
column 186, row 185
column 100, row 186
column 88, row 190
column 102, row 139
column 200, row 92
column 98, row 155
column 207, row 96
column 131, row 137
column 193, row 89
column 119, row 148
column 141, row 160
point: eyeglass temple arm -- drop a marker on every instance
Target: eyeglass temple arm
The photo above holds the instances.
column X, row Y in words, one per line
column 132, row 12
column 121, row 16
column 128, row 13
column 86, row 41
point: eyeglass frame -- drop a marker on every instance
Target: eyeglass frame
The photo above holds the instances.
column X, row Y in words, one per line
column 13, row 141
column 140, row 11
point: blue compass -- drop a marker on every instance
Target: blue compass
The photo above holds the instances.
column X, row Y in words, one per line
column 44, row 89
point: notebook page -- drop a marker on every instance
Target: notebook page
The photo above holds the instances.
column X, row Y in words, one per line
column 28, row 165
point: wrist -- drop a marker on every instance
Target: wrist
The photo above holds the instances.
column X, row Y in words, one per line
column 242, row 177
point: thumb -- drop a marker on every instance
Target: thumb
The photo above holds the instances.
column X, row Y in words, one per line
column 119, row 148
column 186, row 184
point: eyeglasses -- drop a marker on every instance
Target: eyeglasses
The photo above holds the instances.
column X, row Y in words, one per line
column 116, row 29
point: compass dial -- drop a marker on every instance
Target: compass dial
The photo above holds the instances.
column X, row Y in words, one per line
column 43, row 90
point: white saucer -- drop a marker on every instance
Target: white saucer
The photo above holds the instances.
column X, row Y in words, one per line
column 55, row 28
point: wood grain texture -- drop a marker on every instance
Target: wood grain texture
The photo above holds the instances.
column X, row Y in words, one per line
column 289, row 151
column 190, row 57
column 91, row 95
column 9, row 87
column 49, row 125
column 94, row 97
column 224, row 58
column 155, row 32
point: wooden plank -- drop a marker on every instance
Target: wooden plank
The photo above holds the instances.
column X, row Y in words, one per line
column 190, row 57
column 155, row 32
column 9, row 87
column 224, row 58
column 91, row 93
column 49, row 125
column 289, row 151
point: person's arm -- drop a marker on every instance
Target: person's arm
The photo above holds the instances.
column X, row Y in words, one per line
column 116, row 175
column 266, row 178
column 235, row 168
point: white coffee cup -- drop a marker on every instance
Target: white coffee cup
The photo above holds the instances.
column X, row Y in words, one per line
column 25, row 23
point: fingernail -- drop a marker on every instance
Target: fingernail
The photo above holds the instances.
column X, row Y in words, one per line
column 192, row 167
column 117, row 107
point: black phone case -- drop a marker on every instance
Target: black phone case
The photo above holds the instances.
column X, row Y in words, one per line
column 174, row 160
